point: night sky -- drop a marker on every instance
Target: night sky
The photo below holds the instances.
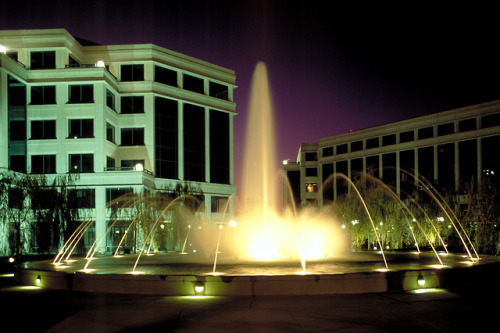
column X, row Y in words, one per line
column 332, row 68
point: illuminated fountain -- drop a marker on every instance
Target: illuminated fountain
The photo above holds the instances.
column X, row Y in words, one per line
column 264, row 252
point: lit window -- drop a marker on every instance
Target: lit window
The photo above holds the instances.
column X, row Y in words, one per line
column 311, row 187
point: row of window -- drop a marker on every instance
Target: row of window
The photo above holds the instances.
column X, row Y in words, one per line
column 84, row 198
column 408, row 136
column 135, row 72
column 78, row 163
column 83, row 128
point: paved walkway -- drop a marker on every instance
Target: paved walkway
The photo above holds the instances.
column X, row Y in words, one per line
column 471, row 309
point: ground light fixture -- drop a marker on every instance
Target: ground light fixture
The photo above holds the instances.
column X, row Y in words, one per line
column 199, row 288
column 38, row 280
column 421, row 281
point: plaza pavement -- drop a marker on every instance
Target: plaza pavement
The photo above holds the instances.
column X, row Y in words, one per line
column 472, row 308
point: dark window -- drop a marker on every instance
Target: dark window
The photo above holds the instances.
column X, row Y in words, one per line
column 342, row 149
column 132, row 136
column 17, row 163
column 44, row 198
column 342, row 183
column 110, row 132
column 132, row 72
column 406, row 136
column 372, row 143
column 17, row 130
column 311, row 156
column 219, row 91
column 81, row 93
column 110, row 163
column 132, row 104
column 194, row 143
column 407, row 172
column 446, row 129
column 356, row 146
column 219, row 147
column 43, row 164
column 43, row 60
column 166, row 76
column 72, row 62
column 467, row 155
column 194, row 84
column 131, row 164
column 311, row 172
column 490, row 156
column 426, row 163
column 110, row 100
column 166, row 138
column 490, row 120
column 43, row 95
column 446, row 165
column 81, row 128
column 327, row 151
column 372, row 166
column 16, row 198
column 328, row 182
column 425, row 133
column 388, row 140
column 219, row 204
column 113, row 194
column 389, row 169
column 81, row 198
column 81, row 163
column 356, row 168
column 467, row 125
column 43, row 129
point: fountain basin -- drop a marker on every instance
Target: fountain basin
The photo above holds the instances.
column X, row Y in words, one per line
column 361, row 273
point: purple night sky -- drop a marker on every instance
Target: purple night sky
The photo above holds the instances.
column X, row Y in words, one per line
column 332, row 68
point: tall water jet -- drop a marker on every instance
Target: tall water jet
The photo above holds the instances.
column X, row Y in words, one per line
column 259, row 190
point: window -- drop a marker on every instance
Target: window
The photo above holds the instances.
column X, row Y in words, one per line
column 81, row 198
column 194, row 84
column 372, row 143
column 17, row 130
column 43, row 60
column 110, row 132
column 43, row 129
column 110, row 163
column 43, row 164
column 81, row 163
column 311, row 187
column 132, row 72
column 219, row 147
column 388, row 140
column 131, row 164
column 166, row 138
column 490, row 120
column 81, row 93
column 218, row 204
column 132, row 136
column 406, row 136
column 43, row 95
column 194, row 142
column 446, row 129
column 132, row 104
column 356, row 146
column 342, row 149
column 425, row 133
column 81, row 128
column 311, row 156
column 110, row 100
column 327, row 151
column 311, row 172
column 165, row 76
column 219, row 91
column 467, row 125
column 113, row 194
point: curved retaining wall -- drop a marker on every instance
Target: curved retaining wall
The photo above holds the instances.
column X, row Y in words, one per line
column 183, row 285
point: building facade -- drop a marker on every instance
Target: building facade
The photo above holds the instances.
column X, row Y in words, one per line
column 123, row 117
column 448, row 148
